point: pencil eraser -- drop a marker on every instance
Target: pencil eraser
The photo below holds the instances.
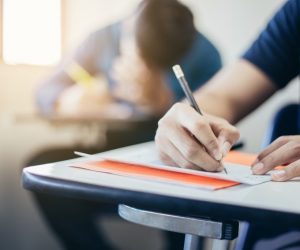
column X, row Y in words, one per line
column 178, row 71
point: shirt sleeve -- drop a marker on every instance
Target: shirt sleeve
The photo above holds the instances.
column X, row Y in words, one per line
column 86, row 54
column 90, row 50
column 276, row 50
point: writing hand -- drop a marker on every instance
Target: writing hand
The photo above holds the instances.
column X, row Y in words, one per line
column 189, row 140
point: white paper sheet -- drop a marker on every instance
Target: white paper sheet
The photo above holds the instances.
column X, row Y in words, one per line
column 148, row 157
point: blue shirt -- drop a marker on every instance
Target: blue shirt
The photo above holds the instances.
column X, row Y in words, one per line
column 277, row 50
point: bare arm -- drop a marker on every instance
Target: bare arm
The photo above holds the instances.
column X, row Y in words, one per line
column 235, row 91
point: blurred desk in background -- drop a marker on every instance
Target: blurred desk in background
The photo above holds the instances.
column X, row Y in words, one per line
column 97, row 133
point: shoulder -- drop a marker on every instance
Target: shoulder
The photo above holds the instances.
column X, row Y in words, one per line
column 276, row 51
column 203, row 54
column 99, row 48
column 287, row 18
column 103, row 43
column 292, row 7
column 200, row 63
column 203, row 44
column 203, row 49
column 106, row 34
column 201, row 41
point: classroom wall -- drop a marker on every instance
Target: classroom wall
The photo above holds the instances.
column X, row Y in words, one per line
column 231, row 25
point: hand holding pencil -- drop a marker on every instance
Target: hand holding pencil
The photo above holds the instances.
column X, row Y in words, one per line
column 194, row 141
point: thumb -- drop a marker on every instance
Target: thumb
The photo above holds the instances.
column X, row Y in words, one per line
column 289, row 172
column 227, row 137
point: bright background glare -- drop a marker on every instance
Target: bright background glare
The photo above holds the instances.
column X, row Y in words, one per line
column 31, row 32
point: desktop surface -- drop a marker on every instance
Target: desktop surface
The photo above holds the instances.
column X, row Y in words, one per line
column 270, row 202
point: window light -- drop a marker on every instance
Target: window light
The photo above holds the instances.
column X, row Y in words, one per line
column 31, row 31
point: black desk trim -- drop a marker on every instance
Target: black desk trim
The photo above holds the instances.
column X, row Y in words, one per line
column 155, row 202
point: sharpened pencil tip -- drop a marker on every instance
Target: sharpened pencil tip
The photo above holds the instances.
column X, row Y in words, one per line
column 225, row 170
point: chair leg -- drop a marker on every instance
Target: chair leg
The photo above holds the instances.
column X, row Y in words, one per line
column 191, row 242
column 220, row 244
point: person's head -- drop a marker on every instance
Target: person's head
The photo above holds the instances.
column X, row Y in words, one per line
column 164, row 31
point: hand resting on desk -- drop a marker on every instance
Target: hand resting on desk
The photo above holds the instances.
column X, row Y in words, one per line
column 283, row 151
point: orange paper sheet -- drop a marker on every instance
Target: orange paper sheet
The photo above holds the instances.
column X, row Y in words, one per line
column 139, row 171
column 240, row 158
column 243, row 158
column 131, row 170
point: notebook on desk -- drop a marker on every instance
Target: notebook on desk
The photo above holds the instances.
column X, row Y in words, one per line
column 144, row 163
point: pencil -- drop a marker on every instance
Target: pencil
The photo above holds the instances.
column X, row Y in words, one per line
column 187, row 91
column 81, row 154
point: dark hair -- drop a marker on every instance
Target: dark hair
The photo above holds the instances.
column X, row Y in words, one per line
column 164, row 31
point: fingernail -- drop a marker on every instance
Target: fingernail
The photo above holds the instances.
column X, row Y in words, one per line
column 258, row 167
column 219, row 169
column 279, row 174
column 226, row 147
column 217, row 155
column 256, row 161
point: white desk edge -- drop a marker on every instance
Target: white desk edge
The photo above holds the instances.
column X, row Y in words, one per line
column 277, row 196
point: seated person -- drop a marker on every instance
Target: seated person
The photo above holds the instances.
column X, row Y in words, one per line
column 134, row 57
column 185, row 138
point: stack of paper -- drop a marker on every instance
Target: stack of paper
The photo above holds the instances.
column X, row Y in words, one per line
column 145, row 164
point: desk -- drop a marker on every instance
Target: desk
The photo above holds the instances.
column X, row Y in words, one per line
column 265, row 202
column 89, row 134
column 110, row 122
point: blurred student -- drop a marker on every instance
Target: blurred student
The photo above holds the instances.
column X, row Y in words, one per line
column 269, row 65
column 134, row 56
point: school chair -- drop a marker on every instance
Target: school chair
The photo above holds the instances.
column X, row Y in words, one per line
column 285, row 122
column 193, row 228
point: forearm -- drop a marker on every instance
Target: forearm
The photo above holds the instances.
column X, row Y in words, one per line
column 49, row 91
column 216, row 105
column 235, row 91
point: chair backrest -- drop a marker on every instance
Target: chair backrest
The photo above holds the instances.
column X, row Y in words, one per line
column 285, row 122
